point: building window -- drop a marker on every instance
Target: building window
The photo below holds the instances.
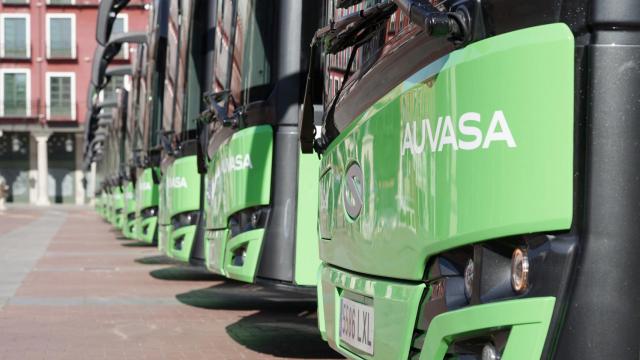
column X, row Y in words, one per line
column 121, row 25
column 61, row 95
column 14, row 31
column 61, row 36
column 14, row 92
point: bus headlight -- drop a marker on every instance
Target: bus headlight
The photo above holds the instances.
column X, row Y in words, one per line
column 519, row 270
column 468, row 279
column 489, row 352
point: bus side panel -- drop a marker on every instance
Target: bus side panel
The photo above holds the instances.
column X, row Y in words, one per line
column 307, row 259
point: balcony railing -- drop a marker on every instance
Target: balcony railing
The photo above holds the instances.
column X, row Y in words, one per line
column 36, row 110
column 64, row 53
column 19, row 111
column 87, row 3
column 66, row 112
column 15, row 2
column 14, row 53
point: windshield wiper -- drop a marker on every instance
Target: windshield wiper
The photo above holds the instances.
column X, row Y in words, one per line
column 354, row 28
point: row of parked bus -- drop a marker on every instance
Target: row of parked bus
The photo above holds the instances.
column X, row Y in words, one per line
column 453, row 179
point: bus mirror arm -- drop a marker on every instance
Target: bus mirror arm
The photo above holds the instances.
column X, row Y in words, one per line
column 453, row 24
column 217, row 112
column 166, row 143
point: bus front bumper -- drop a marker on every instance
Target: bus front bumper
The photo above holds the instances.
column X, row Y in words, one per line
column 146, row 229
column 395, row 308
column 180, row 241
column 236, row 258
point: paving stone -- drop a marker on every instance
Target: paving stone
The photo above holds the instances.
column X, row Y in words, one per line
column 69, row 289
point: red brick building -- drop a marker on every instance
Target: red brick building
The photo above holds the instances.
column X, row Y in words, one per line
column 46, row 51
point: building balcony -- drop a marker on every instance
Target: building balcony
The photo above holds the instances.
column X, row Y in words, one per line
column 15, row 2
column 12, row 53
column 67, row 53
column 62, row 113
column 61, row 2
column 87, row 3
column 19, row 112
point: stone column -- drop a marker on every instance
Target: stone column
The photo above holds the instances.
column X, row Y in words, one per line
column 43, row 168
column 33, row 171
column 79, row 173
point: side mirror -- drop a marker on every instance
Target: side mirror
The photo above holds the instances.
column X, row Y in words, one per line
column 107, row 14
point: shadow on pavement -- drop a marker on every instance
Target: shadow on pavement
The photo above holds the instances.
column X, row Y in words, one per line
column 285, row 324
column 282, row 333
column 156, row 260
column 232, row 295
column 136, row 244
column 184, row 273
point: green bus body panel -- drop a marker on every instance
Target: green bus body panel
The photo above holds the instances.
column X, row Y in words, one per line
column 253, row 241
column 163, row 215
column 183, row 195
column 183, row 186
column 108, row 211
column 108, row 203
column 117, row 198
column 239, row 175
column 146, row 228
column 163, row 211
column 396, row 305
column 147, row 195
column 215, row 250
column 118, row 203
column 187, row 234
column 418, row 202
column 163, row 237
column 128, row 227
column 118, row 221
column 395, row 308
column 307, row 254
column 528, row 320
column 147, row 192
column 129, row 198
column 322, row 323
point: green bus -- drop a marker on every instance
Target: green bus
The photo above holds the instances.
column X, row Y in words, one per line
column 259, row 186
column 181, row 203
column 148, row 107
column 479, row 179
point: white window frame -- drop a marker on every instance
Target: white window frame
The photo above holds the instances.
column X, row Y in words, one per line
column 27, row 34
column 15, row 71
column 47, row 89
column 73, row 31
column 125, row 28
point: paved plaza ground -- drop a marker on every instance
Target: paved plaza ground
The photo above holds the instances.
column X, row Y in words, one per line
column 72, row 288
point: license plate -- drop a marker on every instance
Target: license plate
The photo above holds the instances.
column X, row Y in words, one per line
column 356, row 325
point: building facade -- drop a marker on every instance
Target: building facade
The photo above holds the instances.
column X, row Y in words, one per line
column 46, row 52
